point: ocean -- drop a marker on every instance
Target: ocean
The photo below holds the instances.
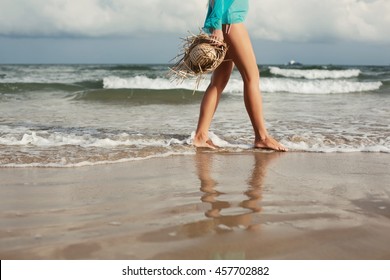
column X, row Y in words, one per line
column 78, row 115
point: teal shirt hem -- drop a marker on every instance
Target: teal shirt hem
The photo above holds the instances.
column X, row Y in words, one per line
column 225, row 12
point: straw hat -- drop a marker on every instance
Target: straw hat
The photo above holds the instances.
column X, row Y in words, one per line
column 201, row 55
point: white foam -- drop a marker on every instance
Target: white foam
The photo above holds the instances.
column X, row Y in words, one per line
column 235, row 85
column 142, row 82
column 311, row 143
column 315, row 74
column 219, row 142
column 64, row 164
column 316, row 86
column 57, row 139
column 25, row 147
column 138, row 82
column 321, row 145
column 75, row 150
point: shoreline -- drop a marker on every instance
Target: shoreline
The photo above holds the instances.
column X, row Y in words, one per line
column 211, row 205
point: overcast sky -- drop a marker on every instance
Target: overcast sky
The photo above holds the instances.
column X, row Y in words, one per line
column 148, row 31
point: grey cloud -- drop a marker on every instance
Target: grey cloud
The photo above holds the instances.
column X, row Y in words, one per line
column 277, row 20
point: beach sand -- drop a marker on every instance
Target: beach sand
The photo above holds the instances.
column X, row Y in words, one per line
column 211, row 205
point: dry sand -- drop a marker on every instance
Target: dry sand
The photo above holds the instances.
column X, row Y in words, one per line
column 211, row 205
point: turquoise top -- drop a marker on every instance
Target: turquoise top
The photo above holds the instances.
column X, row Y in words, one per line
column 225, row 12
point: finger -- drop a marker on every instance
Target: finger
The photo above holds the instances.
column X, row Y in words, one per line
column 216, row 41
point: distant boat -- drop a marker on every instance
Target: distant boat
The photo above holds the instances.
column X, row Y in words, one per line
column 293, row 62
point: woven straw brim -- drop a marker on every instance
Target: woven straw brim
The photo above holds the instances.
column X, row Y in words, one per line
column 201, row 55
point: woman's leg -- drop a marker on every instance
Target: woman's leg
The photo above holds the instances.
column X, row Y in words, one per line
column 241, row 51
column 210, row 102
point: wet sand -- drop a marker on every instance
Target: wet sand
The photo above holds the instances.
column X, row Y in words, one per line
column 211, row 205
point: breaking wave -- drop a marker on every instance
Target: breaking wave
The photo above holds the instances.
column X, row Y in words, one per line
column 236, row 86
column 315, row 74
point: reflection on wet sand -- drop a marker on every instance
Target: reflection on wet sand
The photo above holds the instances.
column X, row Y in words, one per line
column 213, row 205
column 214, row 197
column 244, row 206
column 240, row 216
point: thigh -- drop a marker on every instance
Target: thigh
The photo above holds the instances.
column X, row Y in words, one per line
column 241, row 51
column 221, row 75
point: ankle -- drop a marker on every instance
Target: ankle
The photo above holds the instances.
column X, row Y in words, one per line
column 201, row 135
column 261, row 137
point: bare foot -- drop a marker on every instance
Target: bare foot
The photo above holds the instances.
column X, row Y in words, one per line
column 200, row 143
column 270, row 144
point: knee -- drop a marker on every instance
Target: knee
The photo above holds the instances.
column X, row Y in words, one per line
column 251, row 79
column 251, row 85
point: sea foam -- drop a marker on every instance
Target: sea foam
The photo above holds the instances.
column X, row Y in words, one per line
column 57, row 139
column 316, row 86
column 314, row 74
column 236, row 86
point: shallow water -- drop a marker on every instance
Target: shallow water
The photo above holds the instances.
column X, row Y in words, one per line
column 75, row 115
